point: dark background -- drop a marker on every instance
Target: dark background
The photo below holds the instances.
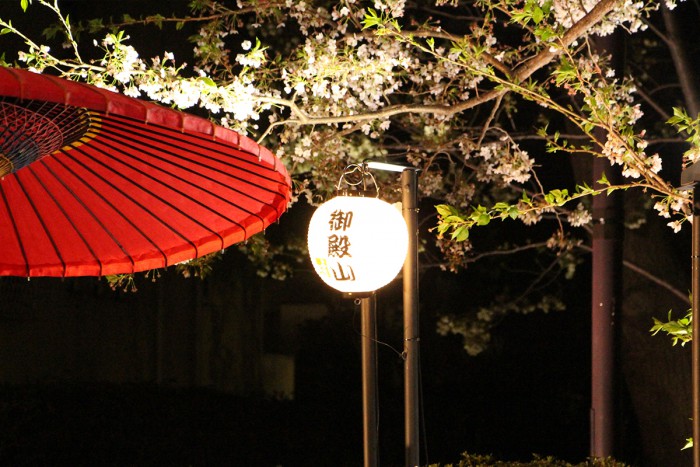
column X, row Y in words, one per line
column 174, row 374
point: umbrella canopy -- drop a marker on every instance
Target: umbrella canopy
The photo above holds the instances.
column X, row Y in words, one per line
column 95, row 183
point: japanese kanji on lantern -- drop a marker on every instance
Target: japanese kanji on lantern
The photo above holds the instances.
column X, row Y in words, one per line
column 357, row 244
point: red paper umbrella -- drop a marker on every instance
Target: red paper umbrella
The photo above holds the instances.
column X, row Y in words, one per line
column 95, row 183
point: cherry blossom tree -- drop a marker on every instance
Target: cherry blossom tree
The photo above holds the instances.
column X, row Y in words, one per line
column 481, row 95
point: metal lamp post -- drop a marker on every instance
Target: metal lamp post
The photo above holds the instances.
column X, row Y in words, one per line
column 409, row 185
column 690, row 179
column 411, row 330
column 370, row 430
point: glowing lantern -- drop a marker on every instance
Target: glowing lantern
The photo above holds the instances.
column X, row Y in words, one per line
column 357, row 244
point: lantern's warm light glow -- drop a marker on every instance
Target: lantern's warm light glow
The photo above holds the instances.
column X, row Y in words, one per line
column 357, row 244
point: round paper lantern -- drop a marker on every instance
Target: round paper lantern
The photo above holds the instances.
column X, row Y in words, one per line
column 357, row 244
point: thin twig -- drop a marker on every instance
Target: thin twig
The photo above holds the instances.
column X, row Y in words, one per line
column 647, row 275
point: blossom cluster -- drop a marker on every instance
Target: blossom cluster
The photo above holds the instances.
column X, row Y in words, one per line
column 162, row 81
column 506, row 162
column 475, row 326
column 628, row 13
column 345, row 76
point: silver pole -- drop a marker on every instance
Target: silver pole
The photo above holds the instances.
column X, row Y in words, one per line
column 368, row 307
column 409, row 190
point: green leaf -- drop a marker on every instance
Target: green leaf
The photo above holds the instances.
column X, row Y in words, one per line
column 208, row 81
column 680, row 114
column 24, row 4
column 537, row 15
column 483, row 219
column 371, row 19
column 545, row 34
column 452, row 219
column 460, row 234
column 513, row 212
column 445, row 210
column 95, row 25
column 547, row 7
column 679, row 330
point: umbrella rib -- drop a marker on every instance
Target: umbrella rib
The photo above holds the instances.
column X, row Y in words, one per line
column 184, row 195
column 153, row 215
column 41, row 220
column 227, row 201
column 144, row 134
column 14, row 228
column 121, row 214
column 177, row 136
column 67, row 215
column 14, row 140
column 112, row 124
column 88, row 210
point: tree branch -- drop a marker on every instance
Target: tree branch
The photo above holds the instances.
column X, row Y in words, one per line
column 520, row 74
column 647, row 275
column 681, row 61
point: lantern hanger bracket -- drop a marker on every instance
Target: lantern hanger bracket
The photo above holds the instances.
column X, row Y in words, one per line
column 358, row 180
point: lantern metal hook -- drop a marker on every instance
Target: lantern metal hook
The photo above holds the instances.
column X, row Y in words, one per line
column 356, row 176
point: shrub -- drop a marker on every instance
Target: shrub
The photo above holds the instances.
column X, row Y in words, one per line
column 478, row 460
